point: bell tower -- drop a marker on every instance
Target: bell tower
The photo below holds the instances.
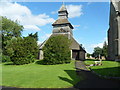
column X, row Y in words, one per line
column 62, row 25
column 62, row 13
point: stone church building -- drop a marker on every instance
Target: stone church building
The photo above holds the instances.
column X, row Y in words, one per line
column 63, row 26
column 114, row 31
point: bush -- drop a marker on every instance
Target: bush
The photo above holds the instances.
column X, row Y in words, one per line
column 5, row 58
column 30, row 45
column 22, row 51
column 57, row 50
column 23, row 60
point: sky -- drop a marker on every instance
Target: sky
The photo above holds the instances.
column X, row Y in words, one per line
column 90, row 19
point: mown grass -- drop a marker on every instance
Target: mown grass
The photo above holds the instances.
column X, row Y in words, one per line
column 108, row 68
column 39, row 76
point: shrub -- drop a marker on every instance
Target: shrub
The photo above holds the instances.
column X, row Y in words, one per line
column 22, row 53
column 23, row 60
column 30, row 45
column 5, row 58
column 57, row 50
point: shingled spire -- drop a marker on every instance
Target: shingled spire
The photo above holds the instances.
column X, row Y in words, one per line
column 63, row 12
column 62, row 25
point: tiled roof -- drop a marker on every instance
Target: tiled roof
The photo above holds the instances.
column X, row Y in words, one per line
column 62, row 21
column 74, row 46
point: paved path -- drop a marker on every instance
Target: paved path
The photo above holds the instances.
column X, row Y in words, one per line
column 90, row 80
column 93, row 81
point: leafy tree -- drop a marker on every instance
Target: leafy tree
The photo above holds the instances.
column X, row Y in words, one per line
column 9, row 29
column 21, row 55
column 88, row 55
column 97, row 52
column 22, row 50
column 34, row 36
column 31, row 45
column 104, row 49
column 57, row 50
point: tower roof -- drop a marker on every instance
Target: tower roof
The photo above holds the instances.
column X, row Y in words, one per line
column 62, row 21
column 62, row 8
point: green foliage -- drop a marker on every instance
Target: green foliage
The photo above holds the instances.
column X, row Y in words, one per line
column 5, row 58
column 9, row 30
column 21, row 54
column 97, row 52
column 30, row 45
column 88, row 55
column 101, row 51
column 105, row 49
column 57, row 50
column 35, row 36
column 22, row 50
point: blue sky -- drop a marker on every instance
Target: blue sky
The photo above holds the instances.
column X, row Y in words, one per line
column 90, row 19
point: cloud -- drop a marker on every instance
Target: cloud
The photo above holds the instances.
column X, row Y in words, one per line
column 97, row 45
column 23, row 14
column 74, row 10
column 31, row 27
column 54, row 12
column 76, row 25
column 90, row 47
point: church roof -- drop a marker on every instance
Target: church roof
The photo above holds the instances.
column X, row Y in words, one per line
column 74, row 46
column 62, row 21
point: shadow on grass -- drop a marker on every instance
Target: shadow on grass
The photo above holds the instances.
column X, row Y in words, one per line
column 9, row 63
column 109, row 72
column 86, row 79
column 91, row 60
column 41, row 62
column 73, row 75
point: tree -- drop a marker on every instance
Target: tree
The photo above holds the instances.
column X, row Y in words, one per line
column 30, row 44
column 97, row 52
column 9, row 29
column 57, row 50
column 88, row 55
column 34, row 36
column 21, row 55
column 104, row 49
column 22, row 50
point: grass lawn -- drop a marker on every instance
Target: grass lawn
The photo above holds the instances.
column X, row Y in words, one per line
column 39, row 76
column 108, row 68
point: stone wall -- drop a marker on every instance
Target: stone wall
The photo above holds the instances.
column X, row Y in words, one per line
column 114, row 32
column 82, row 55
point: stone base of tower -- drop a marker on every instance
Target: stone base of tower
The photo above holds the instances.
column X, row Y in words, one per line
column 78, row 55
